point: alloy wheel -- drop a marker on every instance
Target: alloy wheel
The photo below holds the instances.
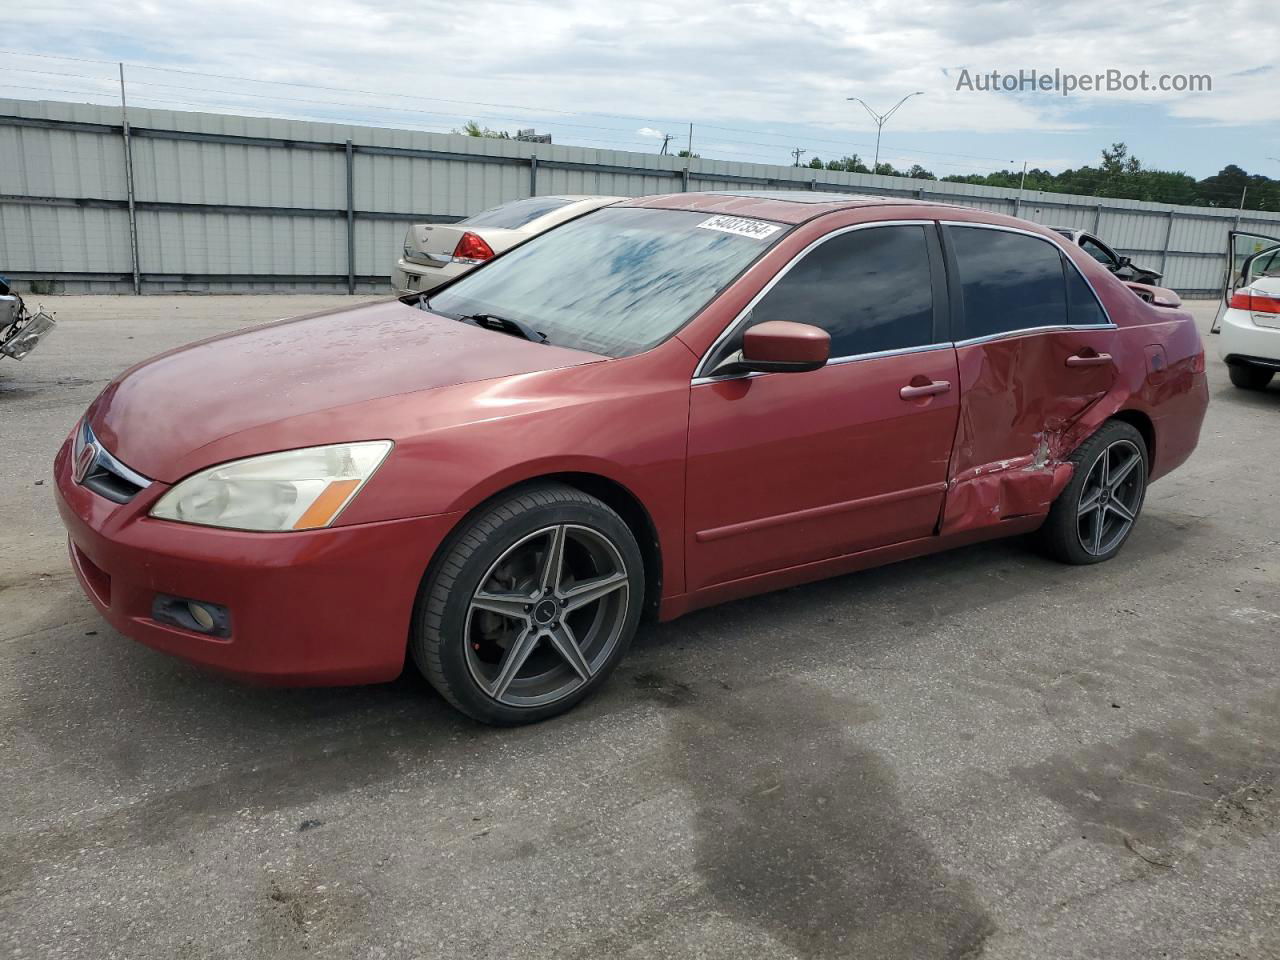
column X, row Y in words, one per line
column 546, row 615
column 1110, row 498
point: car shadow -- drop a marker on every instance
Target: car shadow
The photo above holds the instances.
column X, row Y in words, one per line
column 1258, row 399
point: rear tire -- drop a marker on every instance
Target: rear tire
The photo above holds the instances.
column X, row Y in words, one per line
column 1250, row 378
column 530, row 607
column 1093, row 517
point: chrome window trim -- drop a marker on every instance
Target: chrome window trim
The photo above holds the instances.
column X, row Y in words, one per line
column 1053, row 241
column 1023, row 331
column 700, row 375
column 834, row 361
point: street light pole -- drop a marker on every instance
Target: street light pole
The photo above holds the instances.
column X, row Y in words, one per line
column 880, row 119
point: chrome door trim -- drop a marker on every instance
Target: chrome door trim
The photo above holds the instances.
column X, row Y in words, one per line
column 700, row 375
column 834, row 361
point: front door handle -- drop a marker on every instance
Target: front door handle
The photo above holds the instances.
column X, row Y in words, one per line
column 913, row 392
column 1089, row 360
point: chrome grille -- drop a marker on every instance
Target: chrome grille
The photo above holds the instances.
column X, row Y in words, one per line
column 94, row 467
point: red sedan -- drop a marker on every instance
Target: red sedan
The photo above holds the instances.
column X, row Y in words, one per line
column 665, row 404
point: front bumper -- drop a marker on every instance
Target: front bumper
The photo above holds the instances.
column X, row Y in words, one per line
column 1241, row 339
column 410, row 277
column 316, row 607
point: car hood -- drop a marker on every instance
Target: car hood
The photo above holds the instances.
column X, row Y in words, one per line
column 174, row 413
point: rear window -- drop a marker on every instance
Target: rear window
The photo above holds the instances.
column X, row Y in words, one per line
column 614, row 282
column 518, row 213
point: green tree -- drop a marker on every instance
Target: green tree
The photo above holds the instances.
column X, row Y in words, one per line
column 473, row 129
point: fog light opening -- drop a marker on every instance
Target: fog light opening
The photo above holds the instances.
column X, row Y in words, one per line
column 198, row 616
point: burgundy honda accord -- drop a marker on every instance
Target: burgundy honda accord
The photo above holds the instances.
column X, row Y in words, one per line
column 665, row 404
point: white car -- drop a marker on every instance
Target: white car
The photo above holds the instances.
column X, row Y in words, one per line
column 436, row 252
column 1249, row 319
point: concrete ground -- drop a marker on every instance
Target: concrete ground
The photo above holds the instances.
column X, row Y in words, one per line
column 975, row 754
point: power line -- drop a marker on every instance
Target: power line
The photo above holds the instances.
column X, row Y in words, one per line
column 621, row 142
column 534, row 109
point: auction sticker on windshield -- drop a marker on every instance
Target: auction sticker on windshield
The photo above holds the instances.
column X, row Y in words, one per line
column 741, row 226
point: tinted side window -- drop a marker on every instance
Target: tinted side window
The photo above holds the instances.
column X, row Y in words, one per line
column 870, row 289
column 1083, row 308
column 1009, row 281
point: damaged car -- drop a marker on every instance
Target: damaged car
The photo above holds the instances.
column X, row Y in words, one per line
column 20, row 330
column 665, row 404
column 1121, row 266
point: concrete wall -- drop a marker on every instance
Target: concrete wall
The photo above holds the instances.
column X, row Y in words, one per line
column 228, row 203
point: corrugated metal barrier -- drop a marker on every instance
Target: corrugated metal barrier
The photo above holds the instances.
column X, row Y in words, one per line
column 249, row 204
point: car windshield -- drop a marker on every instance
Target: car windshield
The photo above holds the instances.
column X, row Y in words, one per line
column 512, row 216
column 617, row 281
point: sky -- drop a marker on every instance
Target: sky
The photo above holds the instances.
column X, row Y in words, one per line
column 756, row 80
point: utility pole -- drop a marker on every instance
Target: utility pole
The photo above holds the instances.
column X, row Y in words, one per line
column 1017, row 207
column 880, row 119
column 128, row 182
column 798, row 153
column 666, row 138
column 689, row 149
column 1243, row 193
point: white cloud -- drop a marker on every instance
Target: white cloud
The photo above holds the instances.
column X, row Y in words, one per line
column 785, row 62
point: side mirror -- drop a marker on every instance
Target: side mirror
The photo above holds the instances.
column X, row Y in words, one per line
column 1124, row 262
column 779, row 346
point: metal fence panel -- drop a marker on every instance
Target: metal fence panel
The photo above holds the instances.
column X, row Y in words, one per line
column 230, row 203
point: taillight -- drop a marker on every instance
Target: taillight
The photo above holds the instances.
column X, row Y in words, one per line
column 1254, row 302
column 472, row 249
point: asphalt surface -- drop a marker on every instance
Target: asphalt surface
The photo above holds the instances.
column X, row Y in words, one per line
column 980, row 753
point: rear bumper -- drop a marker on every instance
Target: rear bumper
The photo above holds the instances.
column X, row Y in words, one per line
column 1245, row 342
column 409, row 277
column 317, row 607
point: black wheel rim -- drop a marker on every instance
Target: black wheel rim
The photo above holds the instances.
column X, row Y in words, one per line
column 1110, row 498
column 547, row 615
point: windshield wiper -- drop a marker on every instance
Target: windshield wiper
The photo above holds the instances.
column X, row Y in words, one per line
column 518, row 328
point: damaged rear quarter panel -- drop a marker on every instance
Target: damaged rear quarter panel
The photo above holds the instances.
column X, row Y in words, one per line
column 1023, row 411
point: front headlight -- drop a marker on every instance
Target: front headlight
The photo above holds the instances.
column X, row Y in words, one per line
column 294, row 490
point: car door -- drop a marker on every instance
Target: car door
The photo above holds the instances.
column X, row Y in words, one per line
column 790, row 468
column 1034, row 352
column 1249, row 255
column 1100, row 252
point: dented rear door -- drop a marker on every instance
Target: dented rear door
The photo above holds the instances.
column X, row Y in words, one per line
column 1035, row 351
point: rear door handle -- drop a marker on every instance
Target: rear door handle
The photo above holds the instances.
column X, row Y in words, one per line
column 911, row 392
column 1091, row 360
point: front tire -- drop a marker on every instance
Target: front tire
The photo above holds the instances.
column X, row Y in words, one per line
column 1093, row 517
column 530, row 607
column 1250, row 378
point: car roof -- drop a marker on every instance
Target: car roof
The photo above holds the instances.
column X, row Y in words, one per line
column 783, row 206
column 581, row 197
